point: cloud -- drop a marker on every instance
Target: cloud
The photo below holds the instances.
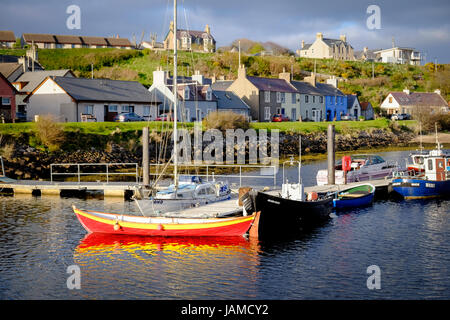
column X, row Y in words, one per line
column 413, row 23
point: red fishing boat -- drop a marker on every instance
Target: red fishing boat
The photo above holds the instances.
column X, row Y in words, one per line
column 100, row 222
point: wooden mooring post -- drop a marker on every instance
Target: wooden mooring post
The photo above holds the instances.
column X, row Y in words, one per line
column 331, row 154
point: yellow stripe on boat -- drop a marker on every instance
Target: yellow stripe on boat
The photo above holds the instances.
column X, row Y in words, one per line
column 174, row 226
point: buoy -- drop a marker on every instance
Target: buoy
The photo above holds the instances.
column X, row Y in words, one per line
column 160, row 227
column 312, row 196
column 116, row 226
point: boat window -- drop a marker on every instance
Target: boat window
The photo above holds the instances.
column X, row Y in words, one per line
column 430, row 164
column 202, row 191
column 211, row 190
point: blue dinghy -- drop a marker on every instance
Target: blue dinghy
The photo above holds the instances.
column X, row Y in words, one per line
column 354, row 197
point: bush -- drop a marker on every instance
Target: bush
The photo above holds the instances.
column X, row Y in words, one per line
column 49, row 132
column 223, row 120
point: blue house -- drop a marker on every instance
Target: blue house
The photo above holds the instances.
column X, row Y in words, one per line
column 335, row 100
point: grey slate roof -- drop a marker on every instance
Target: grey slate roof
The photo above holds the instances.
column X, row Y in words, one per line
column 351, row 100
column 328, row 90
column 229, row 100
column 269, row 84
column 426, row 99
column 305, row 88
column 105, row 90
column 337, row 42
column 221, row 85
column 36, row 78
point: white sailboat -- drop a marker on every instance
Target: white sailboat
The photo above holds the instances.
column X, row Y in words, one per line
column 185, row 193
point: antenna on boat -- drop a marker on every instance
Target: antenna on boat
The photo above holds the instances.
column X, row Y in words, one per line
column 437, row 141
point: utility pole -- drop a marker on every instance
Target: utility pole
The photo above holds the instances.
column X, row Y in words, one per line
column 373, row 71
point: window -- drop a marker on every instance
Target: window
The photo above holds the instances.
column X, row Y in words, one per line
column 314, row 99
column 430, row 164
column 208, row 95
column 89, row 109
column 186, row 93
column 306, row 98
column 266, row 113
column 390, row 99
column 146, row 111
column 125, row 109
column 112, row 108
column 280, row 97
column 321, row 99
column 294, row 98
column 6, row 101
column 266, row 96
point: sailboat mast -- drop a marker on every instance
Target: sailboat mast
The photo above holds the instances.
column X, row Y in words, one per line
column 175, row 94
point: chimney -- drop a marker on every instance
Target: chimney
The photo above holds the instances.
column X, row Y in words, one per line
column 311, row 79
column 343, row 38
column 242, row 72
column 198, row 77
column 333, row 82
column 207, row 29
column 159, row 76
column 303, row 44
column 319, row 35
column 406, row 90
column 285, row 76
column 437, row 91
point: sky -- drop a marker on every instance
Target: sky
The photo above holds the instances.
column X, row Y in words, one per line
column 423, row 25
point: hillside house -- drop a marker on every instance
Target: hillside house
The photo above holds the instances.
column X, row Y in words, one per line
column 400, row 55
column 7, row 39
column 51, row 41
column 326, row 48
column 201, row 41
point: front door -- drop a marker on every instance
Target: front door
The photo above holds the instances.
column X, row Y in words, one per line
column 294, row 114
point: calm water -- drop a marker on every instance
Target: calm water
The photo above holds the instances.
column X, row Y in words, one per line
column 408, row 240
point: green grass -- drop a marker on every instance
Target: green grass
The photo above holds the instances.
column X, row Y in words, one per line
column 107, row 128
column 340, row 126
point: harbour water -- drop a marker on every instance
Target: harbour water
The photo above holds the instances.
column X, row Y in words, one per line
column 409, row 241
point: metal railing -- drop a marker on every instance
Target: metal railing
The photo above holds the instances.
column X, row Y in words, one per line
column 79, row 173
column 209, row 172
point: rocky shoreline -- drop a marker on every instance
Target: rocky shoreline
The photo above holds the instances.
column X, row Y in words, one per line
column 26, row 162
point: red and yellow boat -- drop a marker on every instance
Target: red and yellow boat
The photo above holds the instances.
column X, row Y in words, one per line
column 100, row 222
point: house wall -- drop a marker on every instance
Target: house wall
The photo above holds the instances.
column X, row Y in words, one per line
column 306, row 108
column 47, row 99
column 335, row 106
column 8, row 111
column 275, row 107
column 245, row 90
column 288, row 105
column 390, row 107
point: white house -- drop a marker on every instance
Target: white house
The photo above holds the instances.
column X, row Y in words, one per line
column 72, row 99
column 399, row 55
column 195, row 95
column 353, row 106
column 406, row 102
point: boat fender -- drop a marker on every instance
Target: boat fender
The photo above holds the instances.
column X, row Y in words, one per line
column 160, row 227
column 312, row 196
column 116, row 226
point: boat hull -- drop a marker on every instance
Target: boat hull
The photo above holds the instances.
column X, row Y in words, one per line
column 420, row 188
column 344, row 202
column 279, row 216
column 98, row 222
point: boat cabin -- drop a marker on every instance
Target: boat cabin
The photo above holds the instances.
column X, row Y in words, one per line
column 436, row 168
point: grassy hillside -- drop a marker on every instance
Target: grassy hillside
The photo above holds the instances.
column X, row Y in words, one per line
column 139, row 65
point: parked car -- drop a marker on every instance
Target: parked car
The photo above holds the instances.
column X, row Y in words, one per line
column 347, row 117
column 127, row 117
column 163, row 117
column 401, row 116
column 279, row 118
column 21, row 117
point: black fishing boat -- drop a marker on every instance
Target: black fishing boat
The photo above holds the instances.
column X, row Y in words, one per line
column 288, row 212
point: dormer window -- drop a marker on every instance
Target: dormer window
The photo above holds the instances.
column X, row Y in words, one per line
column 209, row 95
column 186, row 93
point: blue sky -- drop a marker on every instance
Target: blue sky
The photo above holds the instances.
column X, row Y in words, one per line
column 423, row 25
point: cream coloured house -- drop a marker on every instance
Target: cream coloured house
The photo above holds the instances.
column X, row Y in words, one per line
column 200, row 41
column 325, row 48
